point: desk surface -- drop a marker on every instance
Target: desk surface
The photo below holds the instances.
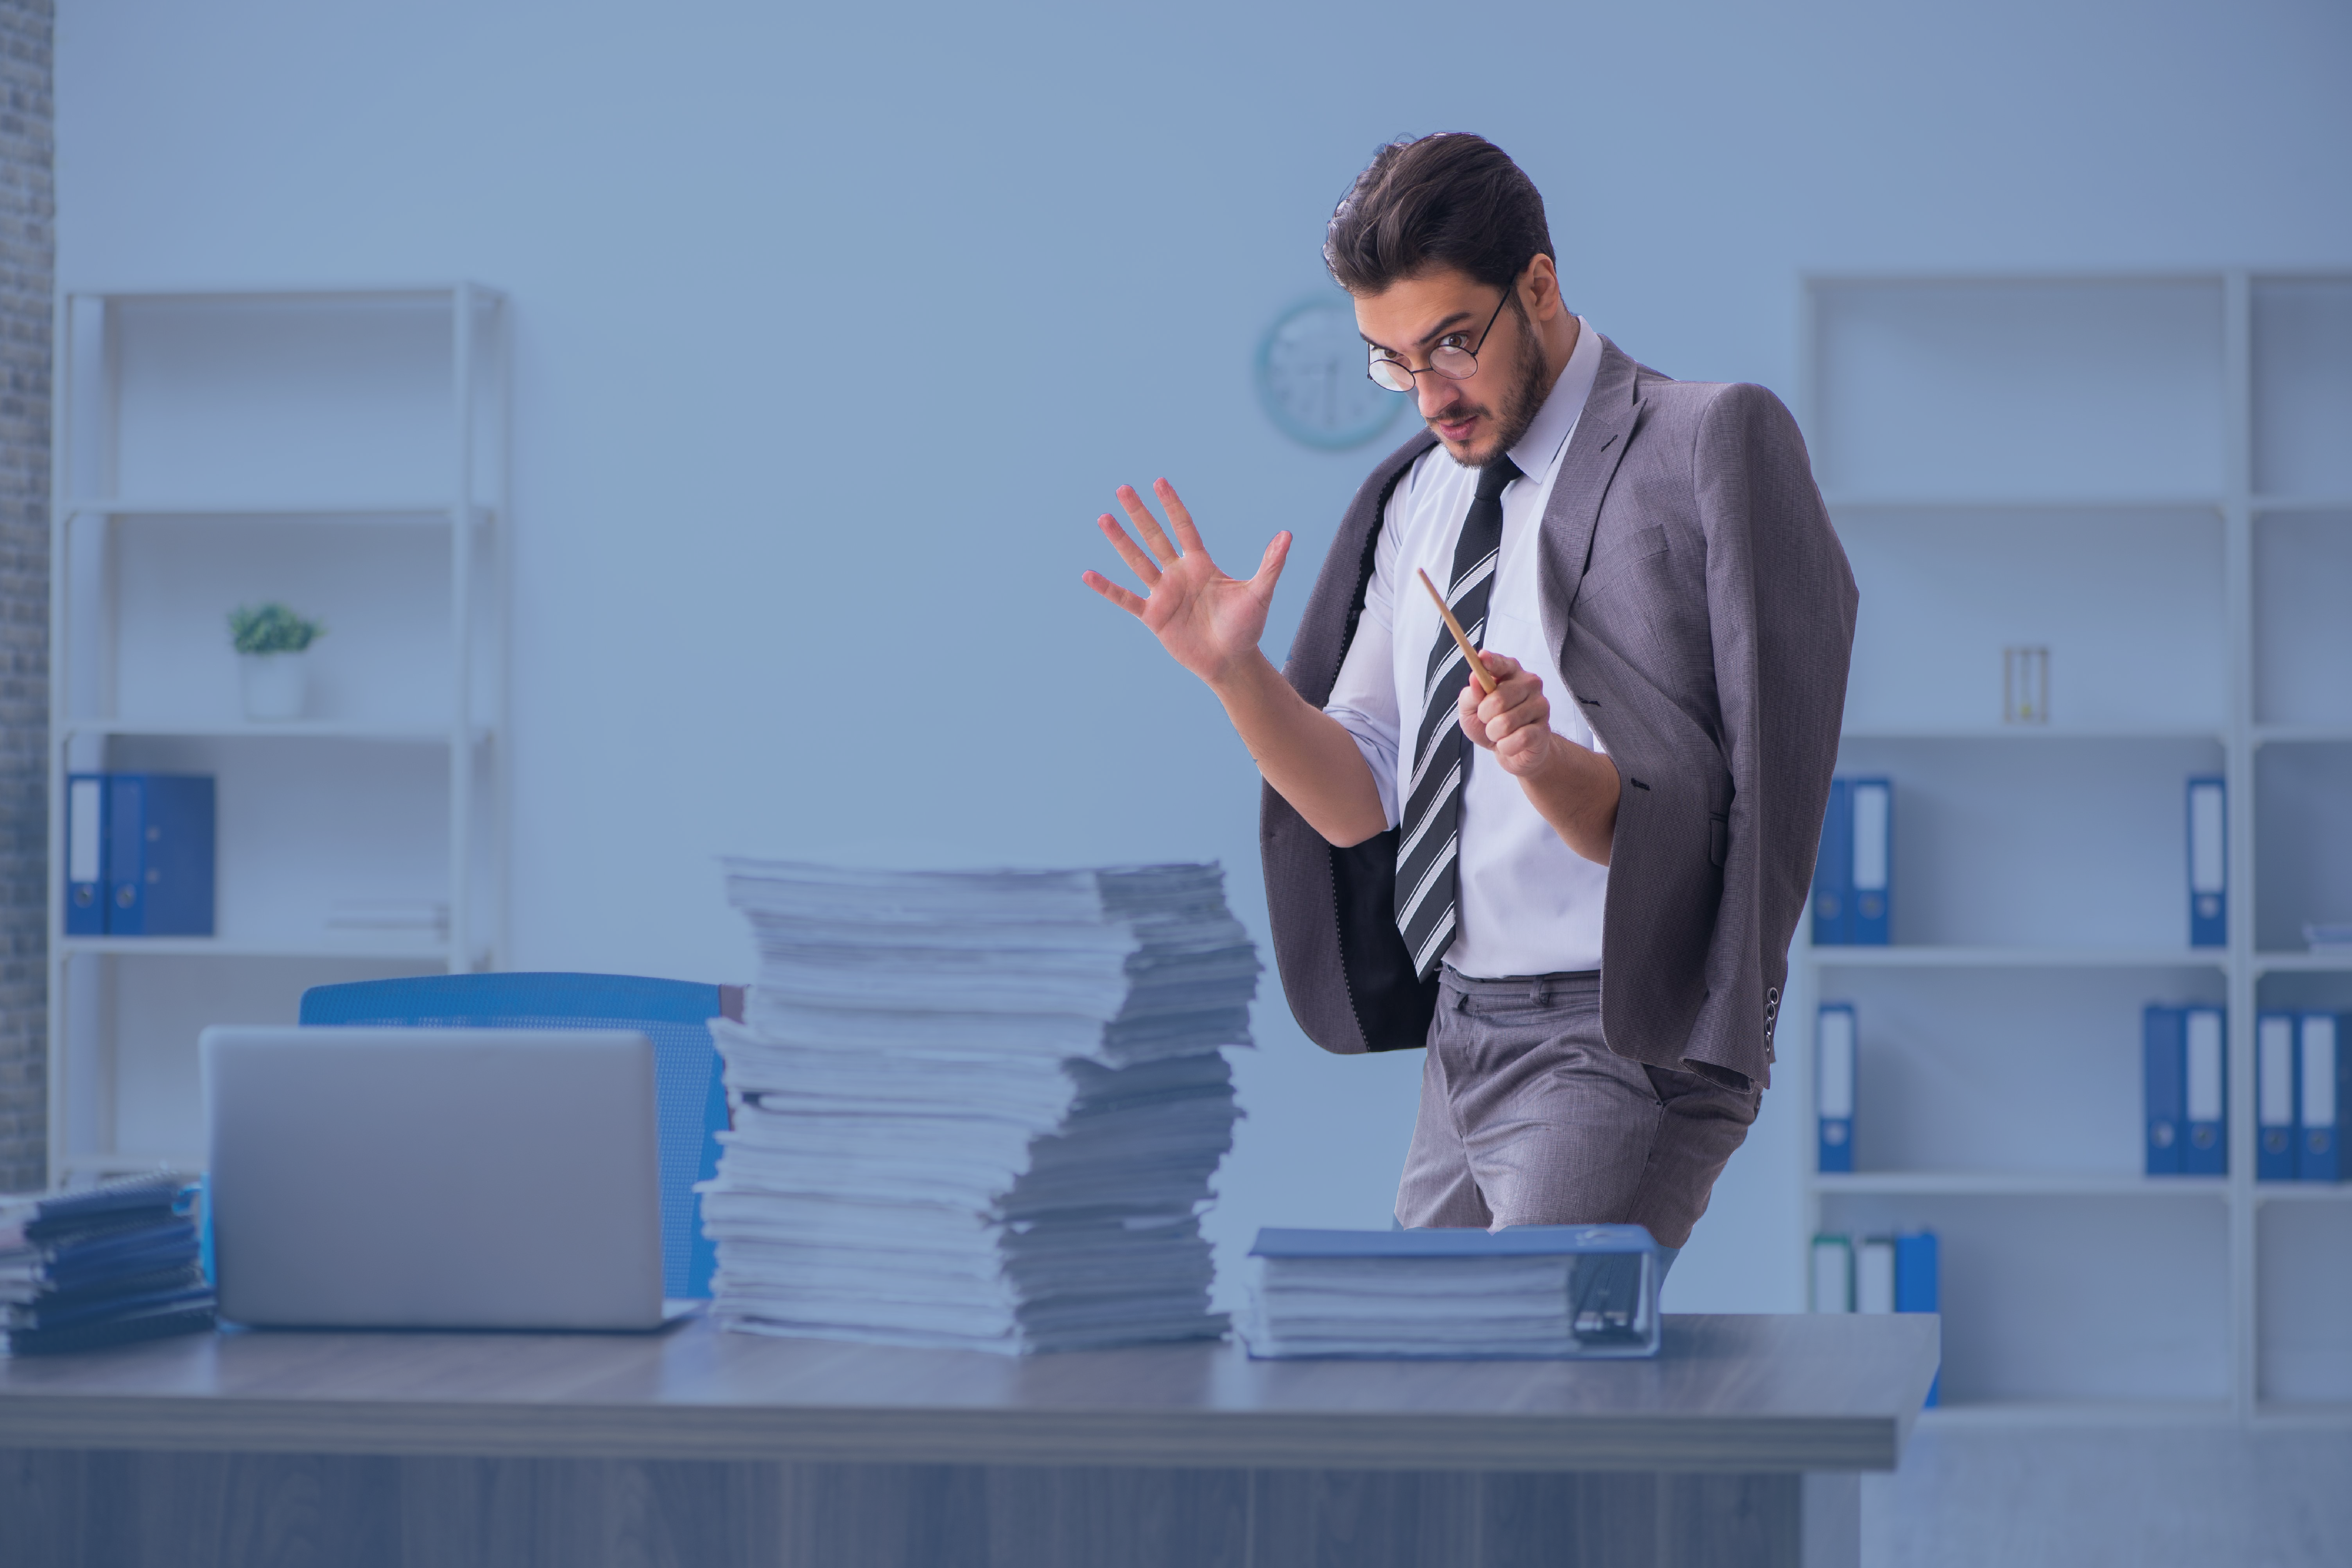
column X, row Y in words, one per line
column 1728, row 1394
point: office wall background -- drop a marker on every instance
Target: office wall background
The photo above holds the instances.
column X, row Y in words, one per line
column 836, row 326
column 27, row 211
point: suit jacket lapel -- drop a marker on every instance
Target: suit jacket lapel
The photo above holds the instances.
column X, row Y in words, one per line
column 1603, row 430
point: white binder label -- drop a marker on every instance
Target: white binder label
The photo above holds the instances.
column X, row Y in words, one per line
column 81, row 838
column 2205, row 859
column 2319, row 1070
column 2204, row 1065
column 2275, row 1072
column 1870, row 839
column 1835, row 1089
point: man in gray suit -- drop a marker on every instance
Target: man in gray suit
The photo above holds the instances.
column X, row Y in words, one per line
column 1578, row 888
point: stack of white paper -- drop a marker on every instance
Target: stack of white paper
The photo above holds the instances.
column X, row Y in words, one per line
column 978, row 1108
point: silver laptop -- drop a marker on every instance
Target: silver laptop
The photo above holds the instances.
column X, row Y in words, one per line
column 434, row 1178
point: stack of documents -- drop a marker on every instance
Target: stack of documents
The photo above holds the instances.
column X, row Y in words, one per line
column 1531, row 1291
column 97, row 1268
column 978, row 1110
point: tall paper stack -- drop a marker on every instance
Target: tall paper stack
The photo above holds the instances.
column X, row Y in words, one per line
column 978, row 1110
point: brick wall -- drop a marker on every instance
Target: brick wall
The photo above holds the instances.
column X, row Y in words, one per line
column 28, row 208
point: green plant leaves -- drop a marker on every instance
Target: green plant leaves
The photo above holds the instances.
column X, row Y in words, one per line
column 271, row 629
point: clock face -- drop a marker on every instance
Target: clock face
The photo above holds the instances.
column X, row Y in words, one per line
column 1310, row 376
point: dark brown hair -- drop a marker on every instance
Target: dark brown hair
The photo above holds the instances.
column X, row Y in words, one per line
column 1448, row 200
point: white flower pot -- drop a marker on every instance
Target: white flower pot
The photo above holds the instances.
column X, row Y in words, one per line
column 275, row 685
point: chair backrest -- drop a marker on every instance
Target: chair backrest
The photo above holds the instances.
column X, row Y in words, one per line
column 674, row 1014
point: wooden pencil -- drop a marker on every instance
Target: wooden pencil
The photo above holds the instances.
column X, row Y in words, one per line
column 1477, row 665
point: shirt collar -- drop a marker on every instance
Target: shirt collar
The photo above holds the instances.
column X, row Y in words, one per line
column 1540, row 448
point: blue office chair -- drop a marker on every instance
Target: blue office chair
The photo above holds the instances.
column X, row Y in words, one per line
column 690, row 1094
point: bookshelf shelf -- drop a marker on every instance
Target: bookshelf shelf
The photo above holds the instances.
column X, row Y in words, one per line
column 2300, row 962
column 2062, row 503
column 429, row 512
column 342, row 451
column 315, row 729
column 420, row 952
column 2018, row 1185
column 1925, row 956
column 2147, row 477
column 1977, row 1414
column 2303, row 1192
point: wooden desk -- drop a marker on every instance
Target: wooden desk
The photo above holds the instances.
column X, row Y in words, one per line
column 1741, row 1445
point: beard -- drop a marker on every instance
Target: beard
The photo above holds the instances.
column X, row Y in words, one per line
column 1522, row 401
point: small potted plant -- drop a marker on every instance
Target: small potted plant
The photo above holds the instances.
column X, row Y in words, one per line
column 269, row 641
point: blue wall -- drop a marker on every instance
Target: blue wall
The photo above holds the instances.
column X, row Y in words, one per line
column 836, row 326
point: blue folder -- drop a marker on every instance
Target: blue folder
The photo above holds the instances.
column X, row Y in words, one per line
column 2274, row 1113
column 1918, row 1284
column 2163, row 1063
column 1872, row 862
column 1833, row 868
column 2205, row 1093
column 689, row 1091
column 2320, row 1100
column 2209, row 863
column 158, row 854
column 85, row 887
column 1834, row 1085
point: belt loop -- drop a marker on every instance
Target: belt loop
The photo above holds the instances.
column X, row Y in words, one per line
column 1539, row 992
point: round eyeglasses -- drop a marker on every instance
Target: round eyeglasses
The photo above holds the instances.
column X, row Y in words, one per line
column 1449, row 359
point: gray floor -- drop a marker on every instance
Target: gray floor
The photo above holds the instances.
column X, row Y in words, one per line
column 2177, row 1497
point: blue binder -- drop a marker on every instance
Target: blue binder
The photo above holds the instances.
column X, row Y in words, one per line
column 1833, row 1054
column 1871, row 867
column 1918, row 1284
column 158, row 854
column 85, row 854
column 2274, row 1116
column 1834, row 869
column 2162, row 1066
column 2209, row 864
column 2319, row 1148
column 2205, row 1093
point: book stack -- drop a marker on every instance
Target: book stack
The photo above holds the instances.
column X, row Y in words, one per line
column 1533, row 1291
column 978, row 1110
column 111, row 1264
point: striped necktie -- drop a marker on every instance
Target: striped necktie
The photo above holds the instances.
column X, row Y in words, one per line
column 1428, row 881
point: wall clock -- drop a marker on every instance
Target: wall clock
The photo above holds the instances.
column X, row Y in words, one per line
column 1310, row 376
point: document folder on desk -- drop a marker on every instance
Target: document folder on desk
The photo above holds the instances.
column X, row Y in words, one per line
column 2205, row 1151
column 2209, row 864
column 1529, row 1291
column 2319, row 1146
column 1834, row 1086
column 2274, row 1119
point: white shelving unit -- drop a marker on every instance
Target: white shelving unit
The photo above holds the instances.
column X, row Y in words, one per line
column 342, row 451
column 2152, row 478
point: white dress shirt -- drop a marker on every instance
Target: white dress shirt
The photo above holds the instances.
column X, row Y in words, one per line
column 1528, row 904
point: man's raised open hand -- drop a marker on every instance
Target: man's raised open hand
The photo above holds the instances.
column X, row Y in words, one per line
column 1207, row 621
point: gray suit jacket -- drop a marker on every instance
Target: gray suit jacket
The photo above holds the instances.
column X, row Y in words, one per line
column 1703, row 613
